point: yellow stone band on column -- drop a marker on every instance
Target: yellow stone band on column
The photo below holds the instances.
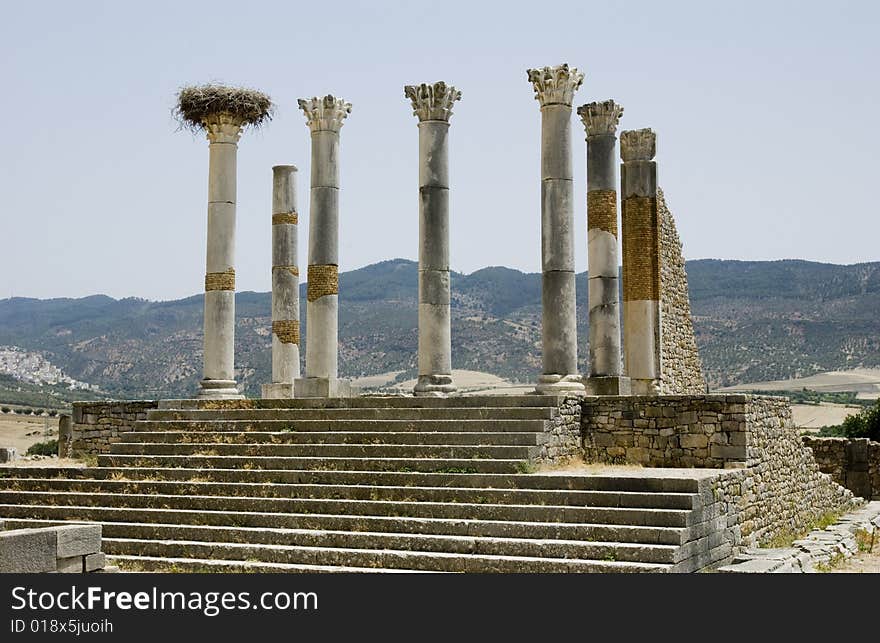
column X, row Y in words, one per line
column 286, row 330
column 602, row 210
column 285, row 217
column 323, row 280
column 641, row 251
column 220, row 280
column 294, row 270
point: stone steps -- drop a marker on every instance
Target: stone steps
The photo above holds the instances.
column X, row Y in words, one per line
column 140, row 563
column 362, row 485
column 324, row 425
column 378, row 413
column 330, row 522
column 424, row 509
column 439, row 465
column 385, row 559
column 493, row 546
column 331, row 450
column 478, row 495
column 593, row 482
column 412, row 438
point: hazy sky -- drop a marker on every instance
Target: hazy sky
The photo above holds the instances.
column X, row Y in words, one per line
column 766, row 114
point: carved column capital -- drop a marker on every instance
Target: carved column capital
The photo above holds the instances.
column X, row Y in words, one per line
column 555, row 85
column 432, row 102
column 601, row 118
column 223, row 127
column 324, row 114
column 638, row 145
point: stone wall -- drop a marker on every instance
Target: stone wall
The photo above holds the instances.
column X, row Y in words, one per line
column 681, row 371
column 667, row 431
column 852, row 462
column 775, row 486
column 564, row 442
column 97, row 425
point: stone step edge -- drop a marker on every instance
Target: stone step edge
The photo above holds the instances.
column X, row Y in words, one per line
column 333, row 485
column 520, row 477
column 226, row 566
column 341, row 532
column 404, row 553
column 476, row 522
column 355, row 501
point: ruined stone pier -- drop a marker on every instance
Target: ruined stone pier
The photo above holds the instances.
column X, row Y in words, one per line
column 223, row 131
column 432, row 104
column 324, row 117
column 600, row 121
column 554, row 90
column 285, row 284
column 641, row 260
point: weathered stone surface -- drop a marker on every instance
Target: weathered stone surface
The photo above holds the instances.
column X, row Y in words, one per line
column 78, row 540
column 94, row 562
column 8, row 454
column 97, row 424
column 72, row 565
column 681, row 370
column 27, row 551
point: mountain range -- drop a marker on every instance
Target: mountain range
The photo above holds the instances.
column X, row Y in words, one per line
column 754, row 321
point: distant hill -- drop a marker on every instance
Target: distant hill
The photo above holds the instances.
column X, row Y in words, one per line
column 754, row 321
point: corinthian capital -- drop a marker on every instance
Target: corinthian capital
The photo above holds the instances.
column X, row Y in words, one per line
column 222, row 127
column 638, row 145
column 600, row 118
column 555, row 85
column 324, row 114
column 432, row 102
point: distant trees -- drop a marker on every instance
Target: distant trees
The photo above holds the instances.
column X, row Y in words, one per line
column 863, row 425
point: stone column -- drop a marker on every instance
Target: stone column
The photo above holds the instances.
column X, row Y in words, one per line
column 285, row 284
column 324, row 117
column 223, row 131
column 554, row 90
column 600, row 121
column 432, row 104
column 641, row 261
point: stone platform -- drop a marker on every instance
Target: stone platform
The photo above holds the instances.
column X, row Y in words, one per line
column 467, row 484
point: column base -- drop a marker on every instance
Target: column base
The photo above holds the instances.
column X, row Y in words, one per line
column 324, row 387
column 645, row 387
column 218, row 390
column 277, row 391
column 555, row 384
column 608, row 385
column 434, row 386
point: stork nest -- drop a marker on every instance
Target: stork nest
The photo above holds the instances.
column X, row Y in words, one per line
column 196, row 103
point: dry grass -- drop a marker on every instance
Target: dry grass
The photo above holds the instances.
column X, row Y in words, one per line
column 197, row 102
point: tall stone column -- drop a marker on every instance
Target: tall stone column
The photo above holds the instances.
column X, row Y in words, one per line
column 432, row 104
column 223, row 131
column 285, row 284
column 554, row 90
column 641, row 260
column 324, row 117
column 600, row 121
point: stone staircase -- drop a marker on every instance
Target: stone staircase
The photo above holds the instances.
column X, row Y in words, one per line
column 365, row 484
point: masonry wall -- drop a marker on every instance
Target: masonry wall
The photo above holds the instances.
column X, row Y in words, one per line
column 773, row 484
column 681, row 371
column 852, row 462
column 97, row 425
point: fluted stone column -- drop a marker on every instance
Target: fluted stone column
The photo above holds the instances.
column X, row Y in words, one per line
column 324, row 117
column 554, row 90
column 432, row 104
column 285, row 284
column 223, row 131
column 641, row 261
column 600, row 121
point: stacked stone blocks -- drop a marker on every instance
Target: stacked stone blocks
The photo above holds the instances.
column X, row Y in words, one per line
column 63, row 549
